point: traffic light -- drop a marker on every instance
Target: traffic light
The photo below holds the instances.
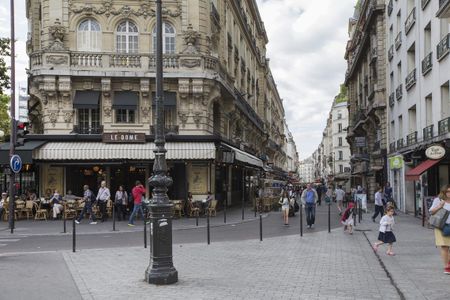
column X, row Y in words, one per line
column 21, row 131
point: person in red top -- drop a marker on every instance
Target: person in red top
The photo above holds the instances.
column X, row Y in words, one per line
column 138, row 191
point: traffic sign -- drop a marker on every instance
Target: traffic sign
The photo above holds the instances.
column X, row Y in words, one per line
column 15, row 163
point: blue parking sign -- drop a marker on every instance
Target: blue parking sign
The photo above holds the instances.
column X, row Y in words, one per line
column 15, row 163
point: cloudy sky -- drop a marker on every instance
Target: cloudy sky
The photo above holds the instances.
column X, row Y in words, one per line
column 306, row 47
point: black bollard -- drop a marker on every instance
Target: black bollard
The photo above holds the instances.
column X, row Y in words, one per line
column 207, row 229
column 114, row 217
column 301, row 219
column 196, row 220
column 64, row 222
column 225, row 212
column 260, row 227
column 255, row 207
column 145, row 234
column 329, row 217
column 74, row 233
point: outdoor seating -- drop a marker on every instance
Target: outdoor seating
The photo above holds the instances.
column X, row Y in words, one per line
column 267, row 204
column 27, row 211
column 211, row 209
column 6, row 212
column 41, row 213
column 70, row 209
column 193, row 211
column 109, row 206
column 178, row 208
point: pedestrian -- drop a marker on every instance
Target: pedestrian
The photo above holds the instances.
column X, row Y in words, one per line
column 88, row 199
column 378, row 203
column 340, row 195
column 442, row 201
column 102, row 197
column 120, row 203
column 2, row 201
column 319, row 194
column 347, row 218
column 56, row 200
column 138, row 191
column 285, row 205
column 309, row 199
column 386, row 236
column 328, row 196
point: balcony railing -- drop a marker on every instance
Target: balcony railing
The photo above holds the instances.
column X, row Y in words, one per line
column 411, row 138
column 443, row 47
column 125, row 61
column 391, row 99
column 410, row 80
column 428, row 132
column 88, row 129
column 399, row 92
column 398, row 40
column 400, row 143
column 425, row 3
column 168, row 129
column 410, row 21
column 444, row 126
column 392, row 147
column 169, row 62
column 391, row 52
column 427, row 63
column 390, row 7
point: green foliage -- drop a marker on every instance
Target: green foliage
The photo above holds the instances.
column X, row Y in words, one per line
column 342, row 96
column 4, row 117
column 4, row 51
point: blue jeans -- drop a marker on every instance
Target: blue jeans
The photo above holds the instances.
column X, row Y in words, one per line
column 137, row 207
column 310, row 211
column 87, row 208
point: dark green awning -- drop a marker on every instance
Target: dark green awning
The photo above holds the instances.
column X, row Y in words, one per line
column 25, row 152
column 170, row 99
column 126, row 100
column 86, row 99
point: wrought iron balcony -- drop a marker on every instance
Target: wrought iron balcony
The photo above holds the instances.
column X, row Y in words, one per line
column 391, row 52
column 400, row 143
column 80, row 129
column 410, row 80
column 428, row 132
column 392, row 147
column 444, row 126
column 425, row 3
column 391, row 99
column 411, row 138
column 398, row 40
column 399, row 92
column 443, row 47
column 427, row 63
column 410, row 21
column 390, row 7
column 168, row 129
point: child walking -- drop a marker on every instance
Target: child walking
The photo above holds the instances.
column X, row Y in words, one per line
column 386, row 236
column 347, row 218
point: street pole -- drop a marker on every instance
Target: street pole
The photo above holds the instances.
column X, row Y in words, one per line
column 243, row 191
column 160, row 270
column 12, row 140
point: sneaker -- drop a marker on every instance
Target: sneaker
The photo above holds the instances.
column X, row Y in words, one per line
column 447, row 271
column 131, row 225
column 312, row 226
column 373, row 220
column 76, row 221
column 93, row 223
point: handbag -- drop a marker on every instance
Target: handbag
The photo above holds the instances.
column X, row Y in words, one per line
column 446, row 230
column 439, row 218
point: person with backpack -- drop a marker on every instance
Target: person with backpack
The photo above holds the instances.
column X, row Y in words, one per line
column 88, row 199
column 309, row 199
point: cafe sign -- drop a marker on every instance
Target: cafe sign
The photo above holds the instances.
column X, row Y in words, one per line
column 123, row 137
column 435, row 152
column 395, row 162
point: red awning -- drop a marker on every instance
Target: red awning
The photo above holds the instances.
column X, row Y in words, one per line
column 414, row 174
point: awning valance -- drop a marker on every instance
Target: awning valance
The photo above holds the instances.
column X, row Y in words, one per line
column 103, row 151
column 126, row 100
column 25, row 152
column 170, row 99
column 245, row 157
column 86, row 99
column 414, row 174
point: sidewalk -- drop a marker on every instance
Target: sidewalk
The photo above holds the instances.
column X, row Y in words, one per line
column 317, row 266
column 51, row 227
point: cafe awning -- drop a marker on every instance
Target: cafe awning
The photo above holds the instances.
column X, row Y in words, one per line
column 245, row 157
column 125, row 100
column 103, row 151
column 25, row 152
column 414, row 174
column 86, row 99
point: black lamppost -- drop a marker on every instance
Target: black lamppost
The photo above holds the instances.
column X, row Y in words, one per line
column 161, row 269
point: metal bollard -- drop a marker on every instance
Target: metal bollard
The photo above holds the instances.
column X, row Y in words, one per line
column 114, row 217
column 64, row 223
column 196, row 220
column 260, row 227
column 301, row 219
column 207, row 229
column 329, row 217
column 74, row 233
column 225, row 213
column 145, row 234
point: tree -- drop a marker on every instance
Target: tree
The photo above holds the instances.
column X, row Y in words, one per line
column 4, row 51
column 4, row 116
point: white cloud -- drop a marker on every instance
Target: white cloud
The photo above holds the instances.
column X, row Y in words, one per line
column 306, row 49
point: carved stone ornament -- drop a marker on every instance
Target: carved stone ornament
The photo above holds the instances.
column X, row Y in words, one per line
column 183, row 88
column 106, row 86
column 57, row 31
column 57, row 60
column 190, row 37
column 145, row 87
column 183, row 117
column 68, row 116
column 107, row 111
column 53, row 117
column 197, row 118
column 107, row 9
column 145, row 111
column 190, row 62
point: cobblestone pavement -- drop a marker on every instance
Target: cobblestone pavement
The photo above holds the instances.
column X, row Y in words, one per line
column 316, row 266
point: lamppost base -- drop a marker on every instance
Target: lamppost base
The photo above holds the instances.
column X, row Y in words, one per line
column 161, row 276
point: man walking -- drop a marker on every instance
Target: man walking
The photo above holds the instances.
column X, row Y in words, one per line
column 378, row 204
column 340, row 195
column 102, row 197
column 87, row 198
column 138, row 191
column 309, row 199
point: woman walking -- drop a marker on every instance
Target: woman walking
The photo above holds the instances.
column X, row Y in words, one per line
column 121, row 202
column 284, row 201
column 442, row 201
column 386, row 236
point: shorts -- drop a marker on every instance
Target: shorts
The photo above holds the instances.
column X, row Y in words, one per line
column 285, row 208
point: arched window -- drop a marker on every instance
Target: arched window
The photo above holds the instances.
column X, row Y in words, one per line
column 127, row 37
column 168, row 38
column 89, row 36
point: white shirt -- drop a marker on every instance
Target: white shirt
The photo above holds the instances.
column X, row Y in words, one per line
column 378, row 199
column 340, row 194
column 435, row 204
column 103, row 194
column 386, row 223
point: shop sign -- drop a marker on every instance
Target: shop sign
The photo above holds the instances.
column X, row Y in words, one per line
column 123, row 137
column 360, row 141
column 435, row 152
column 396, row 162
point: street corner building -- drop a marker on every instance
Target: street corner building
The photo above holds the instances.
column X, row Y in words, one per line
column 92, row 88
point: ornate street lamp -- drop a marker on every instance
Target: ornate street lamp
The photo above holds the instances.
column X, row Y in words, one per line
column 161, row 269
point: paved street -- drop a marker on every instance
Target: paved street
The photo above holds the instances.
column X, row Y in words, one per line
column 318, row 265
